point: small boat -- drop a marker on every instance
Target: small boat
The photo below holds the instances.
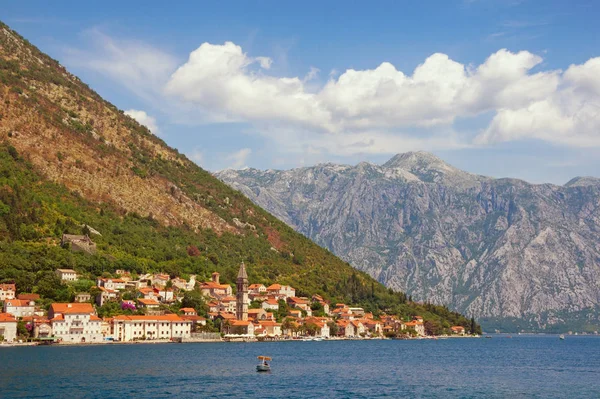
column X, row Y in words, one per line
column 561, row 336
column 263, row 365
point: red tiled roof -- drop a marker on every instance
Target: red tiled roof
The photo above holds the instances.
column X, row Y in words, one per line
column 148, row 302
column 15, row 302
column 28, row 297
column 71, row 308
column 240, row 323
column 7, row 318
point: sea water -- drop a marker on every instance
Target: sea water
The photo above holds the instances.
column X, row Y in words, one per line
column 502, row 367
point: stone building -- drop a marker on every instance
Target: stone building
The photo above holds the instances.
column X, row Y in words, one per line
column 241, row 308
column 79, row 243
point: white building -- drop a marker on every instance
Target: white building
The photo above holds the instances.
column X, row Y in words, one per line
column 75, row 322
column 270, row 304
column 7, row 291
column 19, row 308
column 129, row 328
column 115, row 284
column 8, row 327
column 66, row 274
column 281, row 291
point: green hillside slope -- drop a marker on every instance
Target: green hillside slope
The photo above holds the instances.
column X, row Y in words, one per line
column 69, row 159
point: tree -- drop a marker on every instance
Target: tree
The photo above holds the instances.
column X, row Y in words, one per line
column 333, row 328
column 433, row 327
column 194, row 299
column 255, row 304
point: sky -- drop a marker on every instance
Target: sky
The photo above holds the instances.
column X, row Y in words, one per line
column 500, row 88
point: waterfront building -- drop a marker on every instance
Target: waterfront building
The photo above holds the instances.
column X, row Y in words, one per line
column 75, row 322
column 130, row 328
column 19, row 308
column 8, row 327
column 460, row 330
column 241, row 311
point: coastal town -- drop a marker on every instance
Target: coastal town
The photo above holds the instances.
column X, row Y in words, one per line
column 151, row 309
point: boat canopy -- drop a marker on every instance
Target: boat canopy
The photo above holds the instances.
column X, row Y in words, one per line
column 264, row 358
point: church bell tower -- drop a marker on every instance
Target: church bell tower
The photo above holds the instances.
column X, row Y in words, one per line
column 241, row 303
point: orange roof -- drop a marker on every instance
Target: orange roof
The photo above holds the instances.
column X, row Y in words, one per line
column 15, row 302
column 272, row 302
column 6, row 287
column 148, row 302
column 274, row 287
column 72, row 308
column 226, row 315
column 241, row 323
column 213, row 285
column 255, row 311
column 28, row 297
column 7, row 317
column 228, row 299
column 252, row 286
column 188, row 310
column 269, row 323
column 298, row 301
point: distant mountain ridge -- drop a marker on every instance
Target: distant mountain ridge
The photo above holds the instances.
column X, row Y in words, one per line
column 69, row 160
column 501, row 249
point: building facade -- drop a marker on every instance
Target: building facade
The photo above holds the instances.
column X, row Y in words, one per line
column 7, row 291
column 8, row 327
column 75, row 322
column 131, row 328
column 241, row 308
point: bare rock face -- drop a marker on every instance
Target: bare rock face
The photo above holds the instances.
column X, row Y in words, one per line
column 492, row 248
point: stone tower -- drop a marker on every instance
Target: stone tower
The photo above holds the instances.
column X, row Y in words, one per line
column 241, row 303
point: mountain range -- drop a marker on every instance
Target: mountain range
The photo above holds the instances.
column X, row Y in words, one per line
column 519, row 256
column 73, row 163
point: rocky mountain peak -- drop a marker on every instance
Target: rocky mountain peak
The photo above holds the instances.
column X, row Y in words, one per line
column 430, row 169
column 581, row 181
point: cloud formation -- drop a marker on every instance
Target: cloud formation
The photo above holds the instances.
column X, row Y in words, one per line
column 379, row 102
column 143, row 118
column 380, row 110
column 569, row 115
column 238, row 159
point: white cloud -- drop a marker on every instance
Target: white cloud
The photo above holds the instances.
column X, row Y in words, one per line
column 570, row 115
column 224, row 79
column 380, row 110
column 143, row 118
column 238, row 159
column 141, row 68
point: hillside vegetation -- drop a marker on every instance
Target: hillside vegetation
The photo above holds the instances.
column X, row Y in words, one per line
column 69, row 160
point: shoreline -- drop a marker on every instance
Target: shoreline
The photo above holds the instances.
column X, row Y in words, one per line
column 245, row 340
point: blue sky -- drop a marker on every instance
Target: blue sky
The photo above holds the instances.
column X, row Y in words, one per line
column 501, row 88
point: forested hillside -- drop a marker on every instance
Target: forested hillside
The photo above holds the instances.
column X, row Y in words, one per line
column 71, row 162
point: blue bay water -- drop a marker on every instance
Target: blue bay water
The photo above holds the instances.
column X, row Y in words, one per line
column 518, row 367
